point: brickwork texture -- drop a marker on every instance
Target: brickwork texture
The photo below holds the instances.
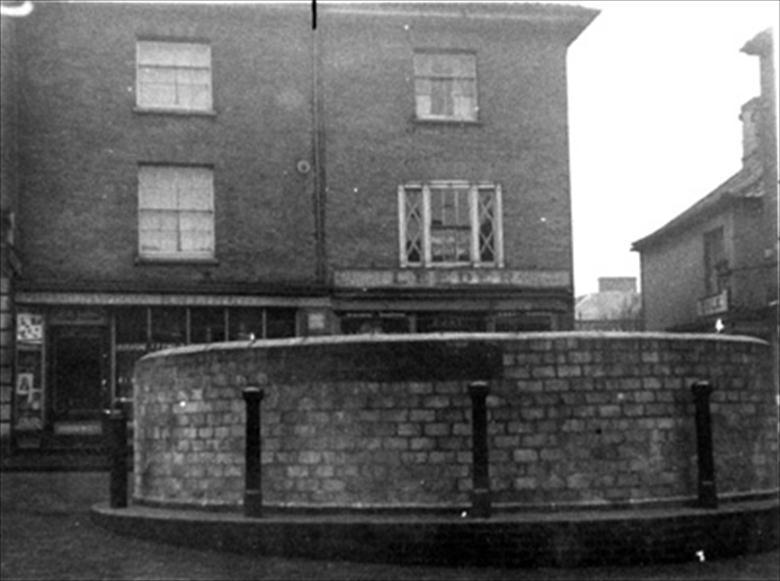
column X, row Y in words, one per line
column 581, row 419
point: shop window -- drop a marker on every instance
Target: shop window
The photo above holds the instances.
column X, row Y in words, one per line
column 169, row 326
column 365, row 323
column 175, row 212
column 279, row 323
column 450, row 224
column 131, row 325
column 207, row 325
column 445, row 86
column 519, row 322
column 245, row 323
column 451, row 322
column 174, row 76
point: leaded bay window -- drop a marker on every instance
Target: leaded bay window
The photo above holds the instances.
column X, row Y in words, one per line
column 451, row 223
column 174, row 76
column 175, row 212
column 445, row 86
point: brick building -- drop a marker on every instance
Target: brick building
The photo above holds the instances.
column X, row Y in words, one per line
column 184, row 174
column 617, row 306
column 714, row 267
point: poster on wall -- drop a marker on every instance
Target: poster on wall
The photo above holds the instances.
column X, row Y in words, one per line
column 29, row 328
column 28, row 396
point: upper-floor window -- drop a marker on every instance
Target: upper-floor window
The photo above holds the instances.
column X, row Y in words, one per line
column 450, row 224
column 174, row 76
column 175, row 212
column 715, row 262
column 445, row 86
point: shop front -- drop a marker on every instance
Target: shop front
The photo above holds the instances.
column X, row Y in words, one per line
column 75, row 358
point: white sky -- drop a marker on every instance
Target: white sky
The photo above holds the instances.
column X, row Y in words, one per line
column 655, row 90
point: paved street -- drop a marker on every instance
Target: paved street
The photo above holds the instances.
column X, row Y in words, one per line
column 47, row 534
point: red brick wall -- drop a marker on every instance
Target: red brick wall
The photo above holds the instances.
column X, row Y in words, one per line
column 9, row 187
column 374, row 144
column 82, row 141
column 573, row 418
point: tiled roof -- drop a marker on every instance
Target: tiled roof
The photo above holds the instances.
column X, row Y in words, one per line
column 746, row 183
column 607, row 305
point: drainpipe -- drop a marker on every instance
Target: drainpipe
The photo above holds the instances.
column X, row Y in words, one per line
column 318, row 152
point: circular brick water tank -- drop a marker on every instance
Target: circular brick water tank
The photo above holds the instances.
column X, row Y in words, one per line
column 384, row 421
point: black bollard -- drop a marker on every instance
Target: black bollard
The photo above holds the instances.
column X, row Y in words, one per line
column 708, row 497
column 116, row 426
column 253, row 494
column 480, row 494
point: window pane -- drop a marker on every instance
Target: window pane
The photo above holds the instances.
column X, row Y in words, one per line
column 156, row 188
column 169, row 325
column 280, row 323
column 131, row 325
column 195, row 241
column 450, row 245
column 174, row 53
column 158, row 242
column 423, row 106
column 445, row 86
column 521, row 322
column 207, row 325
column 450, row 321
column 441, row 98
column 174, row 75
column 201, row 221
column 176, row 210
column 486, row 212
column 245, row 323
column 464, row 108
column 157, row 75
column 414, row 224
column 195, row 192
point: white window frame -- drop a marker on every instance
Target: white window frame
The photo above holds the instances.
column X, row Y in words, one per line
column 173, row 67
column 420, row 78
column 474, row 251
column 174, row 207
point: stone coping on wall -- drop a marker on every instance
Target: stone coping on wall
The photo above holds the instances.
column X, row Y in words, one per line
column 421, row 337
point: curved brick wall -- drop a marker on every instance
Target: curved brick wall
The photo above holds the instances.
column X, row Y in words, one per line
column 384, row 421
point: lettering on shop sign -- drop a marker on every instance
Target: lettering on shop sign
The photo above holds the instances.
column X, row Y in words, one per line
column 433, row 277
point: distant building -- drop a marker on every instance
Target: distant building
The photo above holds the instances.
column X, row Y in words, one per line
column 616, row 307
column 715, row 266
column 189, row 173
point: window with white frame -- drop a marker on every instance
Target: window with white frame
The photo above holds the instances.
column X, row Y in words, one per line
column 445, row 86
column 173, row 76
column 175, row 212
column 450, row 224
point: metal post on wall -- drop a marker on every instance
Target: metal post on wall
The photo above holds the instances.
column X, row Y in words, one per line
column 253, row 494
column 708, row 497
column 480, row 495
column 116, row 428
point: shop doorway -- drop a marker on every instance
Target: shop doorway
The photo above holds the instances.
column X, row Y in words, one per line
column 79, row 387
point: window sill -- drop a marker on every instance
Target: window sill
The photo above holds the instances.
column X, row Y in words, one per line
column 174, row 261
column 174, row 112
column 447, row 122
column 454, row 266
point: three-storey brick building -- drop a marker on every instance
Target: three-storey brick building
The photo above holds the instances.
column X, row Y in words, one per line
column 188, row 174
